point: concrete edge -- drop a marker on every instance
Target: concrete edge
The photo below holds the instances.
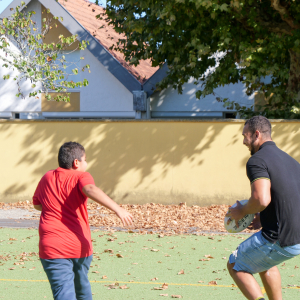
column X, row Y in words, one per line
column 144, row 120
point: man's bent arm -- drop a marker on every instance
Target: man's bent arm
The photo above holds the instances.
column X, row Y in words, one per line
column 259, row 200
column 260, row 196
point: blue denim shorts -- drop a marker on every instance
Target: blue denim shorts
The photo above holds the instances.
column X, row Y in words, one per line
column 256, row 254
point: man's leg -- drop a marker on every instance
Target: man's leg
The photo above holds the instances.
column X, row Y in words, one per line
column 246, row 283
column 272, row 282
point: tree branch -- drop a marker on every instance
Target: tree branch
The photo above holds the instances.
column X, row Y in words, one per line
column 270, row 26
column 285, row 16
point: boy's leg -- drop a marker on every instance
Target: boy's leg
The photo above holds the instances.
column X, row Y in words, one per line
column 82, row 285
column 246, row 283
column 61, row 277
column 272, row 282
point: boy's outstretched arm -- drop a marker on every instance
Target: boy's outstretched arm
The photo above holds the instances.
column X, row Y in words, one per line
column 96, row 194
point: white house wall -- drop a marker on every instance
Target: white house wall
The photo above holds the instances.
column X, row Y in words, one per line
column 168, row 100
column 8, row 88
column 104, row 92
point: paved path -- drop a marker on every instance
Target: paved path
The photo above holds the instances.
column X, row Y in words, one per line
column 18, row 223
column 22, row 218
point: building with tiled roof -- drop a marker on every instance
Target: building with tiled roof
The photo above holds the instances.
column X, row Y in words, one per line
column 116, row 89
column 85, row 13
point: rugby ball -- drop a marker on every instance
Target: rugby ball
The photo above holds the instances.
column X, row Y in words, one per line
column 243, row 223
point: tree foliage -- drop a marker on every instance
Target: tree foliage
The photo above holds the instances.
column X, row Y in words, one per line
column 45, row 65
column 217, row 42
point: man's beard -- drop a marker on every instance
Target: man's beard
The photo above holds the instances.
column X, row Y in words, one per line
column 252, row 149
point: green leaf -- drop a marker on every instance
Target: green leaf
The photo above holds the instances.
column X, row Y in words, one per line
column 224, row 7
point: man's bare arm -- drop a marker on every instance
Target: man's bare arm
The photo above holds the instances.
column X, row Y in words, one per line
column 259, row 200
column 100, row 197
column 260, row 196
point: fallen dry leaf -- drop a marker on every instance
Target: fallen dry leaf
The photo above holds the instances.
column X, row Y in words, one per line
column 109, row 250
column 123, row 287
column 163, row 287
column 181, row 272
column 119, row 255
column 153, row 279
column 104, row 277
column 164, row 295
column 176, row 296
column 113, row 286
column 154, row 250
column 213, row 282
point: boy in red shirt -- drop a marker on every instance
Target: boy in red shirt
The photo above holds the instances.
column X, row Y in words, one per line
column 65, row 246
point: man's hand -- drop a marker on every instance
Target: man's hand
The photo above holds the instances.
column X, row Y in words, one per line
column 259, row 200
column 235, row 213
column 256, row 222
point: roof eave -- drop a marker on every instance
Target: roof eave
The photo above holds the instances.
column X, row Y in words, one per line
column 150, row 85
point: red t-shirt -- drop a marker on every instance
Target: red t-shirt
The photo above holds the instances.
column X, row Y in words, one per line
column 64, row 226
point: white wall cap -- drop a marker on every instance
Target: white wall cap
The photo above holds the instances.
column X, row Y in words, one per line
column 102, row 114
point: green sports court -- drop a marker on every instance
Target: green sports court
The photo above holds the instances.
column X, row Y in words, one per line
column 135, row 266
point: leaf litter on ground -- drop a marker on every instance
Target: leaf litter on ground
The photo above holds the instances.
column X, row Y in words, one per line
column 152, row 217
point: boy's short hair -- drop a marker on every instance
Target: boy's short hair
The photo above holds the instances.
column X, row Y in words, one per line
column 68, row 152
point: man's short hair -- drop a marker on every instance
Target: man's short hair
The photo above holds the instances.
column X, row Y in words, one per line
column 260, row 123
column 68, row 152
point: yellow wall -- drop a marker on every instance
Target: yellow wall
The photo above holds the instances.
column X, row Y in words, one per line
column 199, row 162
column 73, row 105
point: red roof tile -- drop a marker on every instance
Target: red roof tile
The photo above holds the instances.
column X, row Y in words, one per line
column 85, row 13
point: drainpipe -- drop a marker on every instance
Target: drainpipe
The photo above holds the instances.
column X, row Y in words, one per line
column 140, row 104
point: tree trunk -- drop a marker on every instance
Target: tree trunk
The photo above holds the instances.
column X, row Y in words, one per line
column 294, row 76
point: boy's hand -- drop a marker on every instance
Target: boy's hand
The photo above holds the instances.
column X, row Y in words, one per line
column 125, row 216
